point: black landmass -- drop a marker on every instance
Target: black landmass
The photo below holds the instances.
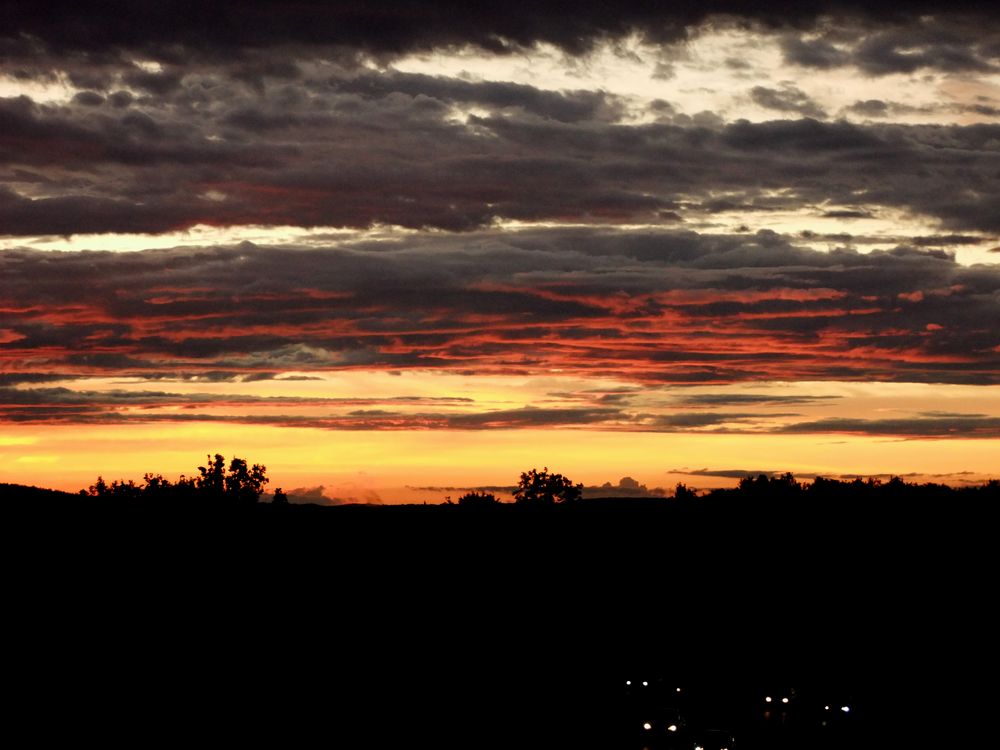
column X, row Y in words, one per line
column 381, row 626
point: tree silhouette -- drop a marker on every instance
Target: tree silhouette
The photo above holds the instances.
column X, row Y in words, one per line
column 539, row 488
column 243, row 485
column 683, row 492
column 478, row 500
column 213, row 477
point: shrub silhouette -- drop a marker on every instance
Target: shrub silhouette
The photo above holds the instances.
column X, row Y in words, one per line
column 683, row 492
column 538, row 488
column 478, row 500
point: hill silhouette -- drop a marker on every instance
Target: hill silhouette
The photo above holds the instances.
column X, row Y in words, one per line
column 523, row 620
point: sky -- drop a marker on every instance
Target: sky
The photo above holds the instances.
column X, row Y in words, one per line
column 397, row 250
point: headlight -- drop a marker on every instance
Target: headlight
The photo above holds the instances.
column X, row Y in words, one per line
column 672, row 728
column 647, row 726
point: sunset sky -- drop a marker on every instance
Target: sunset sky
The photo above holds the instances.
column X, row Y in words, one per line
column 394, row 250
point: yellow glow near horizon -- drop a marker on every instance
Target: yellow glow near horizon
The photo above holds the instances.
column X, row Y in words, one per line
column 71, row 457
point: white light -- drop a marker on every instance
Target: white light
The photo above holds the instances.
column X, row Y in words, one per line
column 678, row 690
column 784, row 700
column 628, row 682
column 845, row 709
column 826, row 708
column 672, row 728
column 768, row 699
column 647, row 726
column 698, row 747
column 645, row 684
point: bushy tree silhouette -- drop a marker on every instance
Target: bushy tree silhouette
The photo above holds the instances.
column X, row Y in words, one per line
column 779, row 487
column 683, row 492
column 478, row 500
column 538, row 488
column 243, row 485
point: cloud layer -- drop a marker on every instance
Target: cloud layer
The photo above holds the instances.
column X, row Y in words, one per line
column 582, row 227
column 435, row 152
column 664, row 307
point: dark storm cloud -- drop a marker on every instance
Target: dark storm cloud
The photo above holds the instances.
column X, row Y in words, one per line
column 876, row 108
column 570, row 106
column 817, row 53
column 317, row 155
column 945, row 42
column 908, row 50
column 786, row 99
column 9, row 379
column 671, row 307
column 401, row 25
column 871, row 108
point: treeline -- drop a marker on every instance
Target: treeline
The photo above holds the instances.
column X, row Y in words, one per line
column 786, row 488
column 242, row 485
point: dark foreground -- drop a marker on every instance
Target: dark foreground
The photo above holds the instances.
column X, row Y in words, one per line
column 415, row 626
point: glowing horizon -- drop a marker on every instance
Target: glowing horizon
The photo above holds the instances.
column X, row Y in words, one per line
column 405, row 251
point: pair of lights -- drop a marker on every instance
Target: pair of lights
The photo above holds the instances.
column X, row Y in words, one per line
column 768, row 699
column 647, row 726
column 628, row 683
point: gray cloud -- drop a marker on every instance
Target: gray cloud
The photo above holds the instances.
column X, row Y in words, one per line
column 321, row 495
column 950, row 43
column 738, row 399
column 566, row 106
column 215, row 150
column 951, row 426
column 172, row 28
column 786, row 99
column 594, row 301
column 815, row 53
